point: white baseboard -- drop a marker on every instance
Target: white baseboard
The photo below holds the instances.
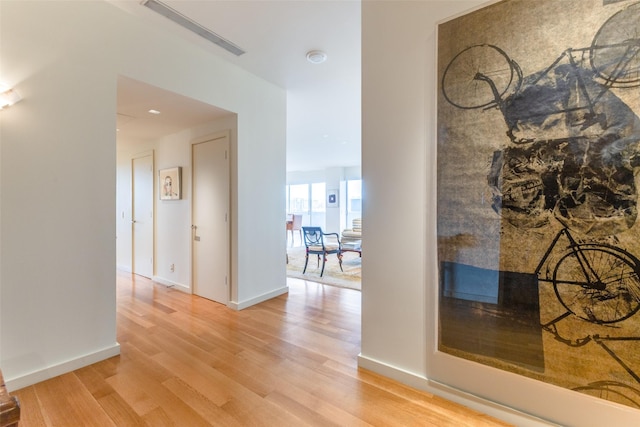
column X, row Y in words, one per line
column 232, row 304
column 452, row 394
column 260, row 298
column 61, row 368
column 171, row 284
column 125, row 268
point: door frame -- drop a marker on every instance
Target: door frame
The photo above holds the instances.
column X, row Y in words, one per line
column 230, row 280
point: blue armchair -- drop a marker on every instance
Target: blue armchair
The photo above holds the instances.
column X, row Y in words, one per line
column 321, row 244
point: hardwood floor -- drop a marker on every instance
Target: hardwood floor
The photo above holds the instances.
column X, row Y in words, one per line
column 187, row 361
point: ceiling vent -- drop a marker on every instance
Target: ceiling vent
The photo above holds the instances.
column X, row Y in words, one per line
column 183, row 21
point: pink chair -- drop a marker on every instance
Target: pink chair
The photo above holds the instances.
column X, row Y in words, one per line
column 295, row 224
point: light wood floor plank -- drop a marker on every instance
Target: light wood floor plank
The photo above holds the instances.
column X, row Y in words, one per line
column 67, row 402
column 187, row 361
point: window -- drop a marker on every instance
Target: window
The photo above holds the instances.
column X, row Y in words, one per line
column 318, row 206
column 308, row 200
column 298, row 200
column 353, row 209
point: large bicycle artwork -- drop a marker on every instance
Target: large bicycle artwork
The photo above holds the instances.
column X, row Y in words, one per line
column 555, row 293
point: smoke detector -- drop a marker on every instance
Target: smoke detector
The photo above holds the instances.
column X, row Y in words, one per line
column 316, row 56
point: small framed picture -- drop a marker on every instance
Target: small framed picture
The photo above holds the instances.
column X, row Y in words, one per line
column 332, row 198
column 170, row 186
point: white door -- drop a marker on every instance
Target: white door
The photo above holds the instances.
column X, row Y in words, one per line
column 142, row 215
column 210, row 226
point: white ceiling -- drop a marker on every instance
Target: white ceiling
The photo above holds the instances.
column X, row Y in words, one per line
column 323, row 100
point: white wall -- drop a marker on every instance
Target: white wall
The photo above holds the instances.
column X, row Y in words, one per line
column 400, row 285
column 304, row 177
column 58, row 175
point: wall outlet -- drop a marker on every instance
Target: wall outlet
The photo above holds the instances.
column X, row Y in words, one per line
column 172, row 267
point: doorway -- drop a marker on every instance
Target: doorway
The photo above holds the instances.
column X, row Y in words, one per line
column 210, row 218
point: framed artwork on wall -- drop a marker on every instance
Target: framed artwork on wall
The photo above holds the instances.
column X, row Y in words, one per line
column 332, row 199
column 538, row 150
column 170, row 183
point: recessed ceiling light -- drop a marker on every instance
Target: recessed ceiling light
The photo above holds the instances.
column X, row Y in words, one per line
column 154, row 111
column 316, row 56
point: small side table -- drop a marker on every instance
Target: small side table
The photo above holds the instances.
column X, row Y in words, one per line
column 355, row 246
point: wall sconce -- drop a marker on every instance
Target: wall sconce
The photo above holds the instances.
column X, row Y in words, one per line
column 8, row 98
